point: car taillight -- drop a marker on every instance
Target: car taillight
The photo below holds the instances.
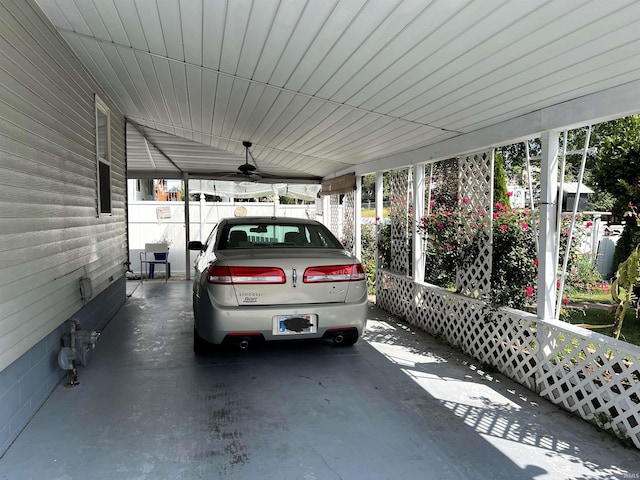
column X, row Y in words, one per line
column 221, row 274
column 334, row 273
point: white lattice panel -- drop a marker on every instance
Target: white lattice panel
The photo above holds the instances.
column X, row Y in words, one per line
column 348, row 222
column 475, row 181
column 587, row 373
column 334, row 208
column 399, row 193
column 592, row 375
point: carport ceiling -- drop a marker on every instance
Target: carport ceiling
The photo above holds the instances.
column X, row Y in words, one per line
column 326, row 86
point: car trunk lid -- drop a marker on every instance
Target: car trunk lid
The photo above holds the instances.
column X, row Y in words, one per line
column 264, row 277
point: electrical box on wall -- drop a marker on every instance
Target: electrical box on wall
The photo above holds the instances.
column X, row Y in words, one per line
column 86, row 289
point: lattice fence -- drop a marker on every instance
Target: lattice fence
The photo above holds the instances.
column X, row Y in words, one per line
column 348, row 221
column 475, row 181
column 334, row 207
column 400, row 246
column 587, row 373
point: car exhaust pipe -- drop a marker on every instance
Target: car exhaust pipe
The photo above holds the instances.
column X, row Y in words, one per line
column 338, row 339
column 244, row 343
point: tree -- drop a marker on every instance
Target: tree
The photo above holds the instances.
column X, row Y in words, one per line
column 369, row 186
column 627, row 278
column 617, row 172
column 499, row 181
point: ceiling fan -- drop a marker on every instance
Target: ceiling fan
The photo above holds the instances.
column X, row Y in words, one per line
column 247, row 169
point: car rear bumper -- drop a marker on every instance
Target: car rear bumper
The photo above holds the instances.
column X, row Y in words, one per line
column 215, row 324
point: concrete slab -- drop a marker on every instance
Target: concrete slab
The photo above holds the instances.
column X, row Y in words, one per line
column 397, row 405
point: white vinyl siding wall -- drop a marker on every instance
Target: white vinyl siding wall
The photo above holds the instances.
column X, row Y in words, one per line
column 51, row 234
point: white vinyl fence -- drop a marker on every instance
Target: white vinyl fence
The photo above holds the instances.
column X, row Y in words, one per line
column 152, row 221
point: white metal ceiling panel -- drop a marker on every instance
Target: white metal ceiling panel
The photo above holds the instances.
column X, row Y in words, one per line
column 400, row 20
column 324, row 87
column 294, row 30
column 235, row 30
column 93, row 19
column 169, row 12
column 236, row 99
column 194, row 103
column 209, row 88
column 149, row 18
column 214, row 13
column 520, row 63
column 111, row 21
column 247, row 111
column 258, row 28
column 223, row 93
column 129, row 20
column 368, row 20
column 404, row 51
column 332, row 28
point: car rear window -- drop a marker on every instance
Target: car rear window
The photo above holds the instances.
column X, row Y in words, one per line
column 269, row 235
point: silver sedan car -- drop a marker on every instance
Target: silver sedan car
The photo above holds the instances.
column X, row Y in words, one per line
column 270, row 278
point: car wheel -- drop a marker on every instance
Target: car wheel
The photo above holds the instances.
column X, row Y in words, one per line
column 200, row 345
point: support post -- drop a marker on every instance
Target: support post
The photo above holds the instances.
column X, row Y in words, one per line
column 547, row 268
column 418, row 212
column 357, row 218
column 187, row 225
column 379, row 196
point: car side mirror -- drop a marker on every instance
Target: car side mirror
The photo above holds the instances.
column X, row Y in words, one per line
column 196, row 245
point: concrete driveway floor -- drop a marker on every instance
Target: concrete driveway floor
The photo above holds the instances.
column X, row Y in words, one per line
column 397, row 405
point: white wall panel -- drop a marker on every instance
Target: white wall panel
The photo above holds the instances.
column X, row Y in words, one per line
column 50, row 232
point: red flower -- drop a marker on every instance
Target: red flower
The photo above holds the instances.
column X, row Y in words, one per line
column 496, row 215
column 588, row 224
column 529, row 291
column 440, row 226
column 509, row 194
column 432, row 203
column 535, row 262
column 565, row 300
column 558, row 284
column 524, row 225
column 465, row 200
column 504, row 228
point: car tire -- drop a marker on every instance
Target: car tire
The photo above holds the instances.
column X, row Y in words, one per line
column 200, row 345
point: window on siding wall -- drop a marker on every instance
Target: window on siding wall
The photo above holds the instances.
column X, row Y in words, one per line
column 103, row 153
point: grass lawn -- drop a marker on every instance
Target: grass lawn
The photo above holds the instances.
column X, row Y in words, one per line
column 603, row 316
column 371, row 212
column 596, row 296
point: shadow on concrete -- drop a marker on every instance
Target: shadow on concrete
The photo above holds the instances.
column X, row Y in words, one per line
column 398, row 404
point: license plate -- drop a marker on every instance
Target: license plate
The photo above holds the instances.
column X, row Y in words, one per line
column 294, row 324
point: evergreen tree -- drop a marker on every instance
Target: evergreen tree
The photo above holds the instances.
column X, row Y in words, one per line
column 499, row 181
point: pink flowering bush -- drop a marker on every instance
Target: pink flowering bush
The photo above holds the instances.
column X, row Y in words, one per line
column 441, row 229
column 514, row 264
